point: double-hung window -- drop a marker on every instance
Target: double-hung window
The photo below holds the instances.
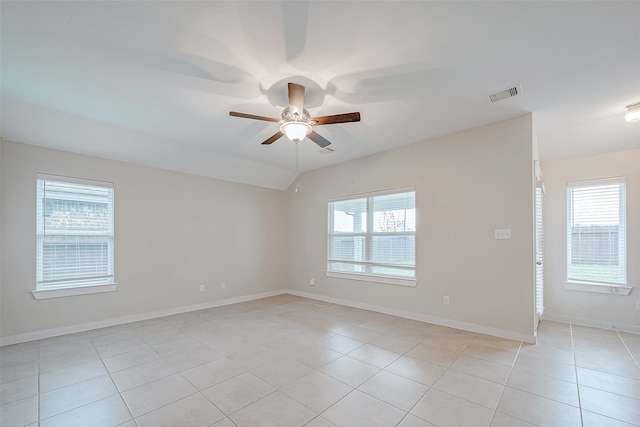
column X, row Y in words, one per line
column 596, row 234
column 74, row 230
column 373, row 236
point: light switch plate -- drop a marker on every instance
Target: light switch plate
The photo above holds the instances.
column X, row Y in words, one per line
column 502, row 233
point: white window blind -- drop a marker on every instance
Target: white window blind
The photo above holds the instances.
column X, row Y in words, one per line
column 74, row 230
column 373, row 234
column 596, row 232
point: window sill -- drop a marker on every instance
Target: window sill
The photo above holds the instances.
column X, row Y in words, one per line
column 601, row 289
column 372, row 278
column 79, row 290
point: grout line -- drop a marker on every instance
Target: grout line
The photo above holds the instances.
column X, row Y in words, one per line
column 575, row 368
column 628, row 350
column 505, row 383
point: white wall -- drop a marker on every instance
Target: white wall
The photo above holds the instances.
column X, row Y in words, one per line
column 591, row 309
column 173, row 233
column 467, row 185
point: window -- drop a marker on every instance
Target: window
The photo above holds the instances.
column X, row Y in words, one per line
column 373, row 235
column 596, row 233
column 74, row 229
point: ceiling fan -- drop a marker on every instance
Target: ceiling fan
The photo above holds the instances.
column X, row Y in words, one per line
column 296, row 122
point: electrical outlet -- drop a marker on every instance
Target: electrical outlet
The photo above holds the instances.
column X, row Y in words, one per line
column 222, row 285
column 312, row 282
column 445, row 300
column 202, row 288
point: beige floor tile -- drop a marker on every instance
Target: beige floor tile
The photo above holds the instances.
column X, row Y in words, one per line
column 282, row 372
column 505, row 356
column 18, row 353
column 341, row 344
column 69, row 359
column 591, row 419
column 502, row 420
column 413, row 421
column 537, row 410
column 361, row 334
column 610, row 361
column 193, row 410
column 212, row 373
column 542, row 385
column 190, row 359
column 549, row 368
column 19, row 371
column 156, row 394
column 317, row 391
column 396, row 344
column 225, row 422
column 130, row 359
column 611, row 405
column 360, row 409
column 446, row 410
column 119, row 347
column 107, row 412
column 181, row 345
column 416, row 370
column 135, row 376
column 394, row 389
column 474, row 389
column 73, row 396
column 547, row 352
column 491, row 371
column 72, row 375
column 373, row 355
column 276, row 409
column 319, row 422
column 19, row 413
column 629, row 387
column 316, row 356
column 436, row 355
column 18, row 390
column 350, row 371
column 238, row 392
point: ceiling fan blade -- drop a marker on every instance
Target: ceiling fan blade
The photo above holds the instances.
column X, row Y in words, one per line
column 274, row 138
column 319, row 139
column 336, row 118
column 251, row 116
column 296, row 98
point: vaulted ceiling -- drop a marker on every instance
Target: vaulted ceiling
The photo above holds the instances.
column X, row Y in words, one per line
column 153, row 82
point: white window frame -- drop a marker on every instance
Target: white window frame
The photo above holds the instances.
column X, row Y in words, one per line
column 71, row 285
column 369, row 275
column 620, row 287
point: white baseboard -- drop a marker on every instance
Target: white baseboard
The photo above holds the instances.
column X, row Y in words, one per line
column 621, row 327
column 465, row 326
column 49, row 333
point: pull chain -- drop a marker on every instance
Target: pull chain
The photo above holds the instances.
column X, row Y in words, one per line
column 297, row 167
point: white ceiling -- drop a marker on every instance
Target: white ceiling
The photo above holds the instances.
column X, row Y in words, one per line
column 153, row 82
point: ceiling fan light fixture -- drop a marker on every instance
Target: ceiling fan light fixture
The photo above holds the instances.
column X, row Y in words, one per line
column 633, row 113
column 295, row 131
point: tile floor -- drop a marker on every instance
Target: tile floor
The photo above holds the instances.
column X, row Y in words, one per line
column 289, row 361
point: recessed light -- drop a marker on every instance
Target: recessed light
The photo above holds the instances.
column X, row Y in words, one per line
column 633, row 113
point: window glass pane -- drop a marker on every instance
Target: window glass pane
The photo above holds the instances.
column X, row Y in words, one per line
column 347, row 248
column 394, row 212
column 596, row 233
column 373, row 235
column 74, row 233
column 398, row 250
column 350, row 216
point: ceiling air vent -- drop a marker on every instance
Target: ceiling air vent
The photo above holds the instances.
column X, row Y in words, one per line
column 505, row 93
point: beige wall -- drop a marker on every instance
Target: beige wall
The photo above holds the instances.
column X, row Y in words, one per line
column 467, row 185
column 174, row 232
column 592, row 309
